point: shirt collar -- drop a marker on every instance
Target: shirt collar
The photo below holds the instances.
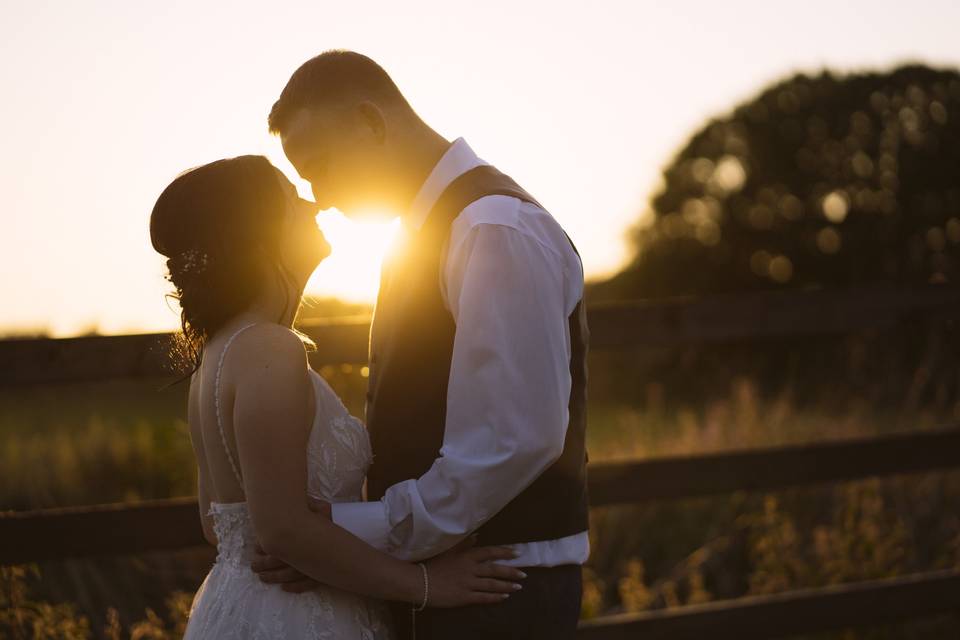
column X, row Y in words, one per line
column 457, row 160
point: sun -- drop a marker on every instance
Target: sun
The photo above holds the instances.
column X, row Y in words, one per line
column 352, row 271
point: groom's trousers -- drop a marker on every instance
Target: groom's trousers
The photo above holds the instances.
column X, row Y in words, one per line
column 547, row 608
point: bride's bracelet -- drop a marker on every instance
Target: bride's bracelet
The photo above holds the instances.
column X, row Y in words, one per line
column 426, row 587
column 426, row 596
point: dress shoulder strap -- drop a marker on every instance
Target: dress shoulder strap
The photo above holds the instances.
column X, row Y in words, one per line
column 216, row 400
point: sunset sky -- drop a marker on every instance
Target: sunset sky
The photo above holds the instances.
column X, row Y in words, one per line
column 104, row 103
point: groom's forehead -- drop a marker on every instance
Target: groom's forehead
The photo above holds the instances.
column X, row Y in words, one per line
column 309, row 127
column 301, row 125
column 301, row 134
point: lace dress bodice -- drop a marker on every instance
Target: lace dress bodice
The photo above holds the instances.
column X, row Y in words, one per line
column 233, row 603
column 338, row 454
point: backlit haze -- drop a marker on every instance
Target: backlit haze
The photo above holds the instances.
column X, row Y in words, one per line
column 104, row 103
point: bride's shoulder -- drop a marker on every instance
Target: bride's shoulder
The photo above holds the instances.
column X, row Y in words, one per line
column 267, row 343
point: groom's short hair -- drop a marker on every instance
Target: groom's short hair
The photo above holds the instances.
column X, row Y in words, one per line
column 333, row 75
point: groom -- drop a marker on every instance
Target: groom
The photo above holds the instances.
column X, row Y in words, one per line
column 477, row 390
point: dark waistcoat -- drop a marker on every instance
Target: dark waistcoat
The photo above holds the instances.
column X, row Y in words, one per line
column 411, row 348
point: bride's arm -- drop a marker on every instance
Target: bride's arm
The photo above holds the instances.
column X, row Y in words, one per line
column 272, row 421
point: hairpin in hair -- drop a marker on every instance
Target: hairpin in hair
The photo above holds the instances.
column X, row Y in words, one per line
column 194, row 260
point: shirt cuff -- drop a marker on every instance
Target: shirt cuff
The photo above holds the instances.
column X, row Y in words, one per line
column 366, row 520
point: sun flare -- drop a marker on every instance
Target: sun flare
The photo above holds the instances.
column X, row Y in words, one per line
column 352, row 272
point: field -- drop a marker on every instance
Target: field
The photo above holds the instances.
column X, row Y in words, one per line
column 127, row 441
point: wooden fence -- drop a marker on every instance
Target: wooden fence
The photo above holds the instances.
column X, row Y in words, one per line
column 174, row 524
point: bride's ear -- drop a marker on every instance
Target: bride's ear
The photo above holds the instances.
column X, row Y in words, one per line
column 373, row 121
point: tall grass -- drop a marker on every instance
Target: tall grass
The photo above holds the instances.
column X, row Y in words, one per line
column 127, row 441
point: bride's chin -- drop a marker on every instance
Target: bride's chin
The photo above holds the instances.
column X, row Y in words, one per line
column 322, row 254
column 319, row 258
column 316, row 265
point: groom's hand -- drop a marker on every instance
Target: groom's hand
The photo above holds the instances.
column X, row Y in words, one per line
column 274, row 571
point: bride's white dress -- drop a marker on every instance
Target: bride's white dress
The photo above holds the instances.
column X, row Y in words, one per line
column 232, row 603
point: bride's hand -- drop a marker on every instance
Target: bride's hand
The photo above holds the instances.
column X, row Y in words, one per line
column 469, row 575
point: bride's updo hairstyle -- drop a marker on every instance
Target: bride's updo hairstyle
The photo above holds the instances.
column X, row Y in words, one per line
column 220, row 227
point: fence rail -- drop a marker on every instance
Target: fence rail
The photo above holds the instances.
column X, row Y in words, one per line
column 619, row 325
column 790, row 613
column 174, row 524
column 30, row 536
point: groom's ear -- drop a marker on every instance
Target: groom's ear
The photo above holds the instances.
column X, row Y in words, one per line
column 372, row 120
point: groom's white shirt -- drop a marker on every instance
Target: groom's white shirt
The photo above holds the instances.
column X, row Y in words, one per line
column 510, row 280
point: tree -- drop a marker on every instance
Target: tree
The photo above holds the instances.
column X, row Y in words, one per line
column 818, row 181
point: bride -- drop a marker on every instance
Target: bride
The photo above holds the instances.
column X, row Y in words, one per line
column 269, row 433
